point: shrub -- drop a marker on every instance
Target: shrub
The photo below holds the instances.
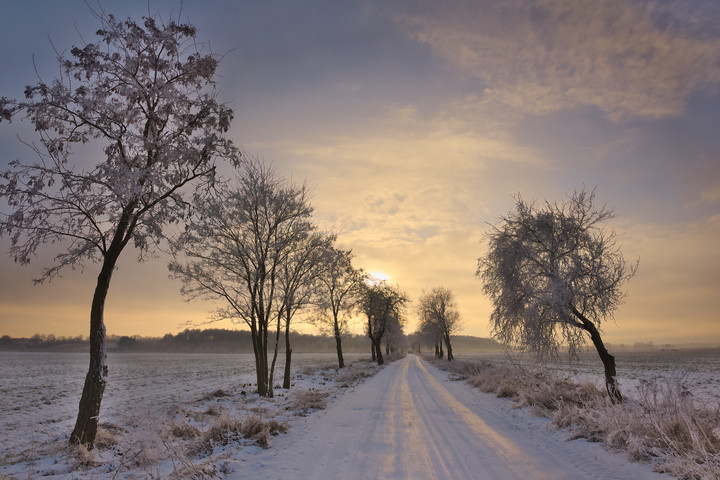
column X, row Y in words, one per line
column 304, row 402
column 227, row 429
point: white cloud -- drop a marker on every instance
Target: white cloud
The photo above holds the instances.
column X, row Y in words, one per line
column 539, row 57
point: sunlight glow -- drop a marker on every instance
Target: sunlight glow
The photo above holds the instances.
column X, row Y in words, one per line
column 377, row 277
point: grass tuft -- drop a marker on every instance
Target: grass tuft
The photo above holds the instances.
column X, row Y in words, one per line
column 307, row 401
column 227, row 429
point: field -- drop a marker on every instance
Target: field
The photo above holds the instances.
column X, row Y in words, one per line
column 40, row 391
column 146, row 393
column 697, row 369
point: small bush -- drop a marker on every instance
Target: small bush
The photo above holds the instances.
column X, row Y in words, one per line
column 81, row 457
column 227, row 429
column 182, row 429
column 107, row 435
column 213, row 409
column 355, row 372
column 304, row 402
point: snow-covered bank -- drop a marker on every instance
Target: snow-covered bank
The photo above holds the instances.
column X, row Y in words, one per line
column 165, row 416
column 662, row 422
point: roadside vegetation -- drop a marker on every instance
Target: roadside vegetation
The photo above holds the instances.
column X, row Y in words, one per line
column 195, row 439
column 662, row 424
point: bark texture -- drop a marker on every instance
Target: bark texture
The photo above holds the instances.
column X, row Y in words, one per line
column 89, row 408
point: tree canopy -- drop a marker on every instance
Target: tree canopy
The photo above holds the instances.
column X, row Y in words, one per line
column 439, row 316
column 237, row 243
column 145, row 94
column 555, row 274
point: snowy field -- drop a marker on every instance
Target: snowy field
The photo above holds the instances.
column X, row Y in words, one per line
column 698, row 370
column 39, row 392
column 148, row 392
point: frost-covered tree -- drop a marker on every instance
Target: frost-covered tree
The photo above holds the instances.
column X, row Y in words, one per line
column 339, row 294
column 439, row 317
column 382, row 304
column 394, row 336
column 298, row 287
column 236, row 243
column 554, row 274
column 146, row 93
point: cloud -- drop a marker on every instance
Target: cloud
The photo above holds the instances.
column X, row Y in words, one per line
column 711, row 195
column 540, row 57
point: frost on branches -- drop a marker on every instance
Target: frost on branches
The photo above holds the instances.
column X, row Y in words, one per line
column 145, row 93
column 554, row 274
column 341, row 286
column 235, row 247
column 440, row 318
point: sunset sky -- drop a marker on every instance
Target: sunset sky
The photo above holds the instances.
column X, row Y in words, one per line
column 416, row 122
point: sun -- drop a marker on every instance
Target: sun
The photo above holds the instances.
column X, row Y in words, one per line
column 378, row 277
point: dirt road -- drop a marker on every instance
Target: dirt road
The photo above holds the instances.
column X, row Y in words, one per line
column 411, row 422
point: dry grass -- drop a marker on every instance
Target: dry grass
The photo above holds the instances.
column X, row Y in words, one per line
column 81, row 458
column 108, row 435
column 665, row 425
column 228, row 428
column 190, row 436
column 308, row 401
column 182, row 429
column 355, row 372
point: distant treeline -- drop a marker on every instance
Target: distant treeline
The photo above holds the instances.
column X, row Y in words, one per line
column 219, row 341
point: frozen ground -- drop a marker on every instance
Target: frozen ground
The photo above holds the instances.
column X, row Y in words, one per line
column 408, row 421
column 39, row 394
column 697, row 369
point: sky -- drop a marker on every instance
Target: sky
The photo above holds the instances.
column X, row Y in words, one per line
column 416, row 122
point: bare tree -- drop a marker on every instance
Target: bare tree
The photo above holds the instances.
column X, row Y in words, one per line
column 340, row 286
column 394, row 337
column 298, row 286
column 236, row 244
column 555, row 274
column 439, row 316
column 430, row 334
column 382, row 304
column 147, row 93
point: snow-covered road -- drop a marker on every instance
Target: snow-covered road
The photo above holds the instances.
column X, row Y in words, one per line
column 411, row 422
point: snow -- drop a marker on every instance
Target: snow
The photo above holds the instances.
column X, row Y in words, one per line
column 410, row 421
column 697, row 369
column 407, row 421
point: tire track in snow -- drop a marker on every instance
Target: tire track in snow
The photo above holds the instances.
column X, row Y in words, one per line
column 501, row 447
column 405, row 424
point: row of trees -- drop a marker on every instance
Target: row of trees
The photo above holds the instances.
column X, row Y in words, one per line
column 147, row 92
column 250, row 243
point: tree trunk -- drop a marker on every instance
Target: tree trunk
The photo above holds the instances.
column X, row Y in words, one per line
column 378, row 353
column 449, row 349
column 260, row 362
column 288, row 355
column 609, row 364
column 607, row 359
column 270, row 391
column 338, row 346
column 89, row 408
column 442, row 354
column 372, row 349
